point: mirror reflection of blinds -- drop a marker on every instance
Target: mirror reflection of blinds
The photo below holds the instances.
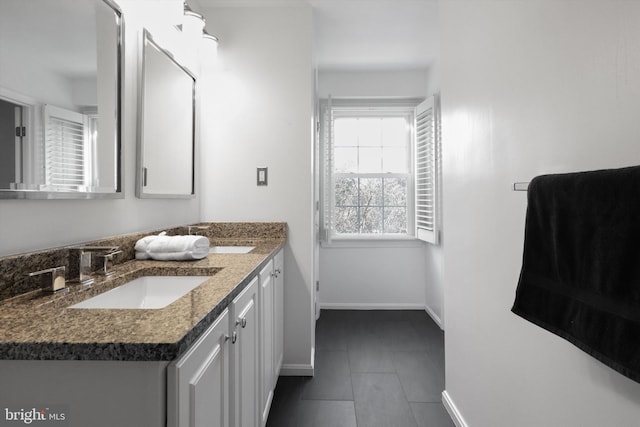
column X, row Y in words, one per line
column 425, row 152
column 65, row 156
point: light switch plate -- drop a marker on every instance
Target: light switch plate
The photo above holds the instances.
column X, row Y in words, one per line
column 262, row 176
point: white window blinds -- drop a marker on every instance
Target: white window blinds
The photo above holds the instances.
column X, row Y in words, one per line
column 426, row 152
column 326, row 164
column 65, row 148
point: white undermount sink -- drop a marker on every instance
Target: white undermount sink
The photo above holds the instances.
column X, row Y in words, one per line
column 230, row 249
column 146, row 292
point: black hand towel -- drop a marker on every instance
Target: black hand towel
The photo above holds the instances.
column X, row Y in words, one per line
column 580, row 276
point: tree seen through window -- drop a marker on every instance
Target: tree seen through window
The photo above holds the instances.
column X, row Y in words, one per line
column 372, row 165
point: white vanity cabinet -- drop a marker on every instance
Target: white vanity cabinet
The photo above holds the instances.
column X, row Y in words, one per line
column 198, row 382
column 245, row 357
column 271, row 340
column 267, row 340
column 278, row 304
column 225, row 378
column 228, row 377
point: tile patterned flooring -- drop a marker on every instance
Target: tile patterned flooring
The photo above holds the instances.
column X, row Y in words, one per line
column 373, row 369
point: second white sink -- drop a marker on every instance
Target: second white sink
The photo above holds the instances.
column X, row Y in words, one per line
column 146, row 292
column 231, row 249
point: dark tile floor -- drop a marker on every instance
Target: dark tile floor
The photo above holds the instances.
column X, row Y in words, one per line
column 372, row 368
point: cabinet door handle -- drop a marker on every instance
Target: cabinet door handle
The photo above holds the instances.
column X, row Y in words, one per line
column 242, row 322
column 234, row 337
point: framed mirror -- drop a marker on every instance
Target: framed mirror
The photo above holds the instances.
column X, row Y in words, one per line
column 166, row 125
column 60, row 99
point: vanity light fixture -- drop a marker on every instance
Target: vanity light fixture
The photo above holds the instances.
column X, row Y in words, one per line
column 193, row 29
column 208, row 51
column 209, row 44
column 192, row 25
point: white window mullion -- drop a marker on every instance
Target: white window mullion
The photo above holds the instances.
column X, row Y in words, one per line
column 371, row 175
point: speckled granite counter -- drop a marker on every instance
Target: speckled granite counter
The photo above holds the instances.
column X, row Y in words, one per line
column 36, row 326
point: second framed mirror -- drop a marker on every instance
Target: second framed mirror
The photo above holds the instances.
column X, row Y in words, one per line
column 166, row 125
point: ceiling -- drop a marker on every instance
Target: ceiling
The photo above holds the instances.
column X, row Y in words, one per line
column 366, row 34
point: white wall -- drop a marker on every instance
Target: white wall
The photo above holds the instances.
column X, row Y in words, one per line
column 391, row 277
column 27, row 225
column 24, row 74
column 528, row 87
column 258, row 113
column 380, row 83
column 434, row 265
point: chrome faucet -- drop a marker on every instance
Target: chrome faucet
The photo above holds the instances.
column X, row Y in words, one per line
column 53, row 283
column 85, row 261
column 107, row 262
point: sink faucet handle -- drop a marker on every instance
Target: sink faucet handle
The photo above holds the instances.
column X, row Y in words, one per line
column 54, row 283
column 107, row 263
column 85, row 263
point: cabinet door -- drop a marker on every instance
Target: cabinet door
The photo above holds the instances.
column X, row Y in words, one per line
column 267, row 324
column 198, row 382
column 245, row 357
column 278, row 309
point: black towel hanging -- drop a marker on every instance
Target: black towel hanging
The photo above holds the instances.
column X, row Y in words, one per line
column 580, row 276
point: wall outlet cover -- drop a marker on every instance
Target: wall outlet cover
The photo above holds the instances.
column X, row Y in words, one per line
column 262, row 176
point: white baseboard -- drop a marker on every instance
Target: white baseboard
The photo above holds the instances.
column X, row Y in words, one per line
column 371, row 306
column 453, row 411
column 435, row 317
column 299, row 370
column 295, row 370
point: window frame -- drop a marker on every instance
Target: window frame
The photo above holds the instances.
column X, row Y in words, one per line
column 365, row 108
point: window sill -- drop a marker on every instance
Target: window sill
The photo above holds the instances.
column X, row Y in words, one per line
column 373, row 242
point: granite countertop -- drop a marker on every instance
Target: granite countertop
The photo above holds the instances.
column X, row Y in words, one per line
column 38, row 326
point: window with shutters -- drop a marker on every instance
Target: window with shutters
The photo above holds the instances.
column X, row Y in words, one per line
column 368, row 172
column 378, row 165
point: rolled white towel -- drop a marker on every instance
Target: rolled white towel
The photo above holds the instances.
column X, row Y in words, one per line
column 165, row 248
column 176, row 256
column 167, row 244
column 143, row 244
column 142, row 255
